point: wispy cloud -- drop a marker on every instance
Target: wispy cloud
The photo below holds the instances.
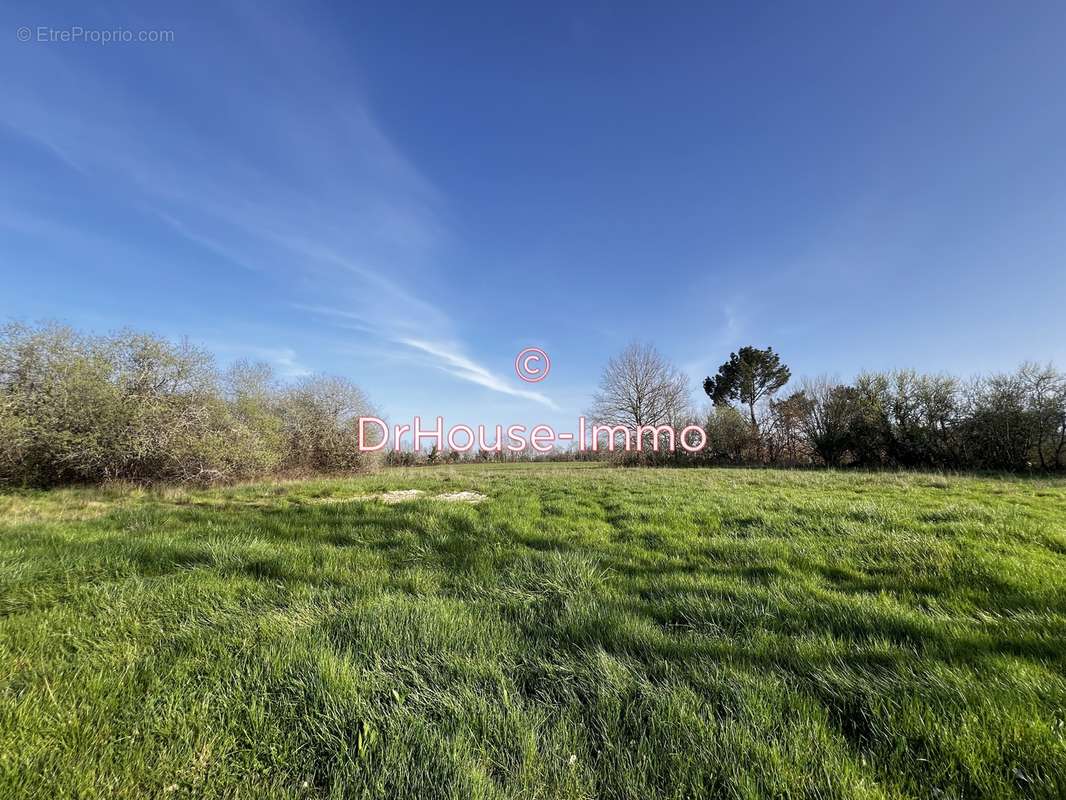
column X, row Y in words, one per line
column 298, row 185
column 444, row 355
column 454, row 363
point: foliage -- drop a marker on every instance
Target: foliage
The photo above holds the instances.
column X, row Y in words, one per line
column 729, row 437
column 900, row 419
column 77, row 408
column 749, row 376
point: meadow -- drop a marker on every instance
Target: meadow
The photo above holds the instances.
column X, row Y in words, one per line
column 582, row 632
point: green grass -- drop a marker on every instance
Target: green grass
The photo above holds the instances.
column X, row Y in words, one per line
column 584, row 632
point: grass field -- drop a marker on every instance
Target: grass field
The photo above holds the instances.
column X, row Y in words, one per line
column 583, row 632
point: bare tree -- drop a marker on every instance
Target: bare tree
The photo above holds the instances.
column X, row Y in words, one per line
column 1045, row 388
column 640, row 388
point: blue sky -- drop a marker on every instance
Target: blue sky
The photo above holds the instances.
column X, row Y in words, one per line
column 408, row 194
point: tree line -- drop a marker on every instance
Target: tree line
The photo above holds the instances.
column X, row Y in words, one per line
column 77, row 408
column 133, row 406
column 901, row 419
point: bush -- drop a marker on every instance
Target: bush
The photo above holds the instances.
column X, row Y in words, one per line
column 79, row 408
column 320, row 424
column 904, row 419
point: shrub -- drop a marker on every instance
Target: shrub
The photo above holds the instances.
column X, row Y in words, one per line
column 133, row 406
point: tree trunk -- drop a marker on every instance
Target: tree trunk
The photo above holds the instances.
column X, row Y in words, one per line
column 755, row 432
